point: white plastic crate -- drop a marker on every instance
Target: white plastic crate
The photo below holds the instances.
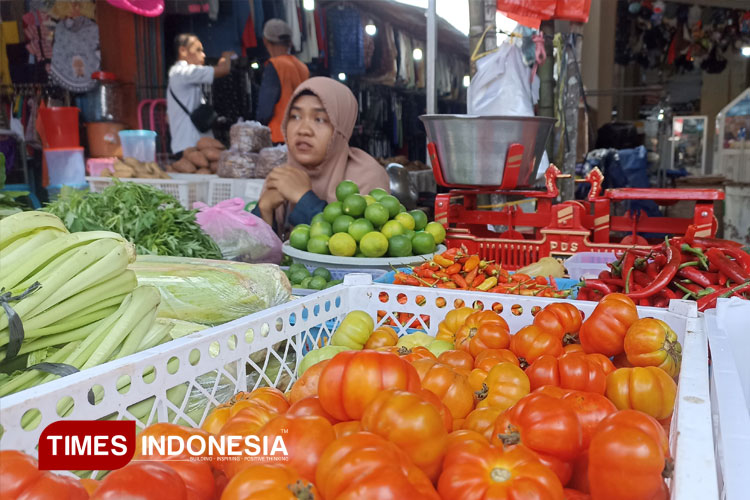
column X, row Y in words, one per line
column 730, row 394
column 220, row 189
column 239, row 356
column 186, row 190
column 588, row 264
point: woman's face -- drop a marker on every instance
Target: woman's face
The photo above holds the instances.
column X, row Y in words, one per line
column 308, row 131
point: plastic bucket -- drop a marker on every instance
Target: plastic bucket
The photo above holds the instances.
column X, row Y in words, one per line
column 59, row 127
column 66, row 166
column 138, row 144
column 104, row 140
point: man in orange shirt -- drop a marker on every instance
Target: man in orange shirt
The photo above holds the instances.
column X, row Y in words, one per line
column 282, row 74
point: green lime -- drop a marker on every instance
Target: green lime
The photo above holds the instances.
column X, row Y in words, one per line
column 391, row 203
column 401, row 208
column 355, row 205
column 374, row 244
column 321, row 228
column 359, row 254
column 301, row 226
column 287, row 273
column 359, row 228
column 342, row 245
column 333, row 283
column 317, row 218
column 378, row 193
column 369, row 199
column 333, row 210
column 322, row 271
column 299, row 237
column 318, row 244
column 437, row 231
column 317, row 283
column 294, row 266
column 306, row 282
column 297, row 276
column 399, row 246
column 420, row 219
column 423, row 243
column 342, row 223
column 409, row 234
column 344, row 189
column 392, row 228
column 377, row 214
column 406, row 220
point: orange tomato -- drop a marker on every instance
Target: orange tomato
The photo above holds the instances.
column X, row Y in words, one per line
column 483, row 330
column 506, row 384
column 604, row 331
column 453, row 321
column 482, row 420
column 461, row 360
column 485, row 360
column 531, row 342
column 382, row 336
column 451, row 387
column 651, row 342
column 561, row 319
column 648, row 389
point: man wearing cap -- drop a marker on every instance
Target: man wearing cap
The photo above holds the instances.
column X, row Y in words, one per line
column 282, row 74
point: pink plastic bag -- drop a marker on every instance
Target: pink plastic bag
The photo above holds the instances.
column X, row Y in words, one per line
column 240, row 235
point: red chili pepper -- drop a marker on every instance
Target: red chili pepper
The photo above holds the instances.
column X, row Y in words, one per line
column 694, row 275
column 651, row 270
column 689, row 234
column 451, row 253
column 600, row 286
column 646, row 301
column 709, row 301
column 641, row 278
column 740, row 256
column 627, row 270
column 453, row 269
column 552, row 282
column 660, row 300
column 429, row 281
column 665, row 275
column 540, row 280
column 471, row 275
column 722, row 278
column 605, row 275
column 730, row 268
column 478, row 280
column 520, row 277
column 448, row 284
column 460, row 281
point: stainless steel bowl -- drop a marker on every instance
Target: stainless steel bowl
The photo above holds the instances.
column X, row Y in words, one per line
column 472, row 149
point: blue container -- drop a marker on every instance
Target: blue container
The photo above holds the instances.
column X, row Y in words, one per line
column 65, row 166
column 138, row 144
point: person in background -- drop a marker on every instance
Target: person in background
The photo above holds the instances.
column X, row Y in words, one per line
column 282, row 74
column 317, row 126
column 185, row 79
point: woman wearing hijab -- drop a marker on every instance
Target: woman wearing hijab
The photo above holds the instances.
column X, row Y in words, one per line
column 317, row 126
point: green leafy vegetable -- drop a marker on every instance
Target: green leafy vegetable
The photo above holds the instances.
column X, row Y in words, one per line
column 153, row 220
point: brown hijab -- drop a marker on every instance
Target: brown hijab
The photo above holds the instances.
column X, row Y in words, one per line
column 341, row 162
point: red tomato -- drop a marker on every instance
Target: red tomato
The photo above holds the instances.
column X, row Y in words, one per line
column 142, row 481
column 167, row 429
column 365, row 465
column 269, row 482
column 21, row 479
column 560, row 319
column 591, row 409
column 575, row 495
column 531, row 342
column 461, row 360
column 474, row 470
column 413, row 424
column 197, row 476
column 626, row 457
column 353, row 379
column 604, row 331
column 570, row 371
column 345, row 428
column 462, row 436
column 483, row 330
column 451, row 387
column 547, row 425
column 309, row 407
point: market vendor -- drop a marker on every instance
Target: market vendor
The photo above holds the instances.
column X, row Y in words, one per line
column 281, row 75
column 184, row 93
column 317, row 126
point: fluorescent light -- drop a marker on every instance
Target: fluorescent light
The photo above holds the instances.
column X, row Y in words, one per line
column 467, row 80
column 745, row 51
column 417, row 54
column 255, row 65
column 371, row 29
column 342, row 76
column 308, row 4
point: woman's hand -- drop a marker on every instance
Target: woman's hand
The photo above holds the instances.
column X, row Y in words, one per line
column 268, row 204
column 291, row 182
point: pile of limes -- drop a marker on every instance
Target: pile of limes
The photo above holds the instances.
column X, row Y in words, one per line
column 301, row 277
column 370, row 225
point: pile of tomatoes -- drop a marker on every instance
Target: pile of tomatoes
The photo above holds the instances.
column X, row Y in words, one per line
column 565, row 408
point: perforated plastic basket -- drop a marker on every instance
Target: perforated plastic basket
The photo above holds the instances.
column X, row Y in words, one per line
column 220, row 189
column 187, row 191
column 203, row 370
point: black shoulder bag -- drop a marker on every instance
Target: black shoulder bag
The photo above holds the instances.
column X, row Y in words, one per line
column 203, row 117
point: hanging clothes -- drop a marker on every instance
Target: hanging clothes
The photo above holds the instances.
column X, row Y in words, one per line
column 249, row 40
column 406, row 75
column 310, row 46
column 75, row 54
column 62, row 9
column 320, row 29
column 292, row 19
column 39, row 35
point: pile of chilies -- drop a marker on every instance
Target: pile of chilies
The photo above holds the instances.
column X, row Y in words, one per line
column 701, row 269
column 456, row 269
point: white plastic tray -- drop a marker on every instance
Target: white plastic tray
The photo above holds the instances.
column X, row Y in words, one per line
column 331, row 261
column 231, row 356
column 730, row 396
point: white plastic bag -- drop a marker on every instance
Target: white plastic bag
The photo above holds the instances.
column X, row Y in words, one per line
column 502, row 86
column 240, row 235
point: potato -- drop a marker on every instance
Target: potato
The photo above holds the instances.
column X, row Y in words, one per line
column 203, row 171
column 189, row 150
column 170, row 168
column 214, row 166
column 197, row 158
column 212, row 154
column 184, row 166
column 209, row 143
